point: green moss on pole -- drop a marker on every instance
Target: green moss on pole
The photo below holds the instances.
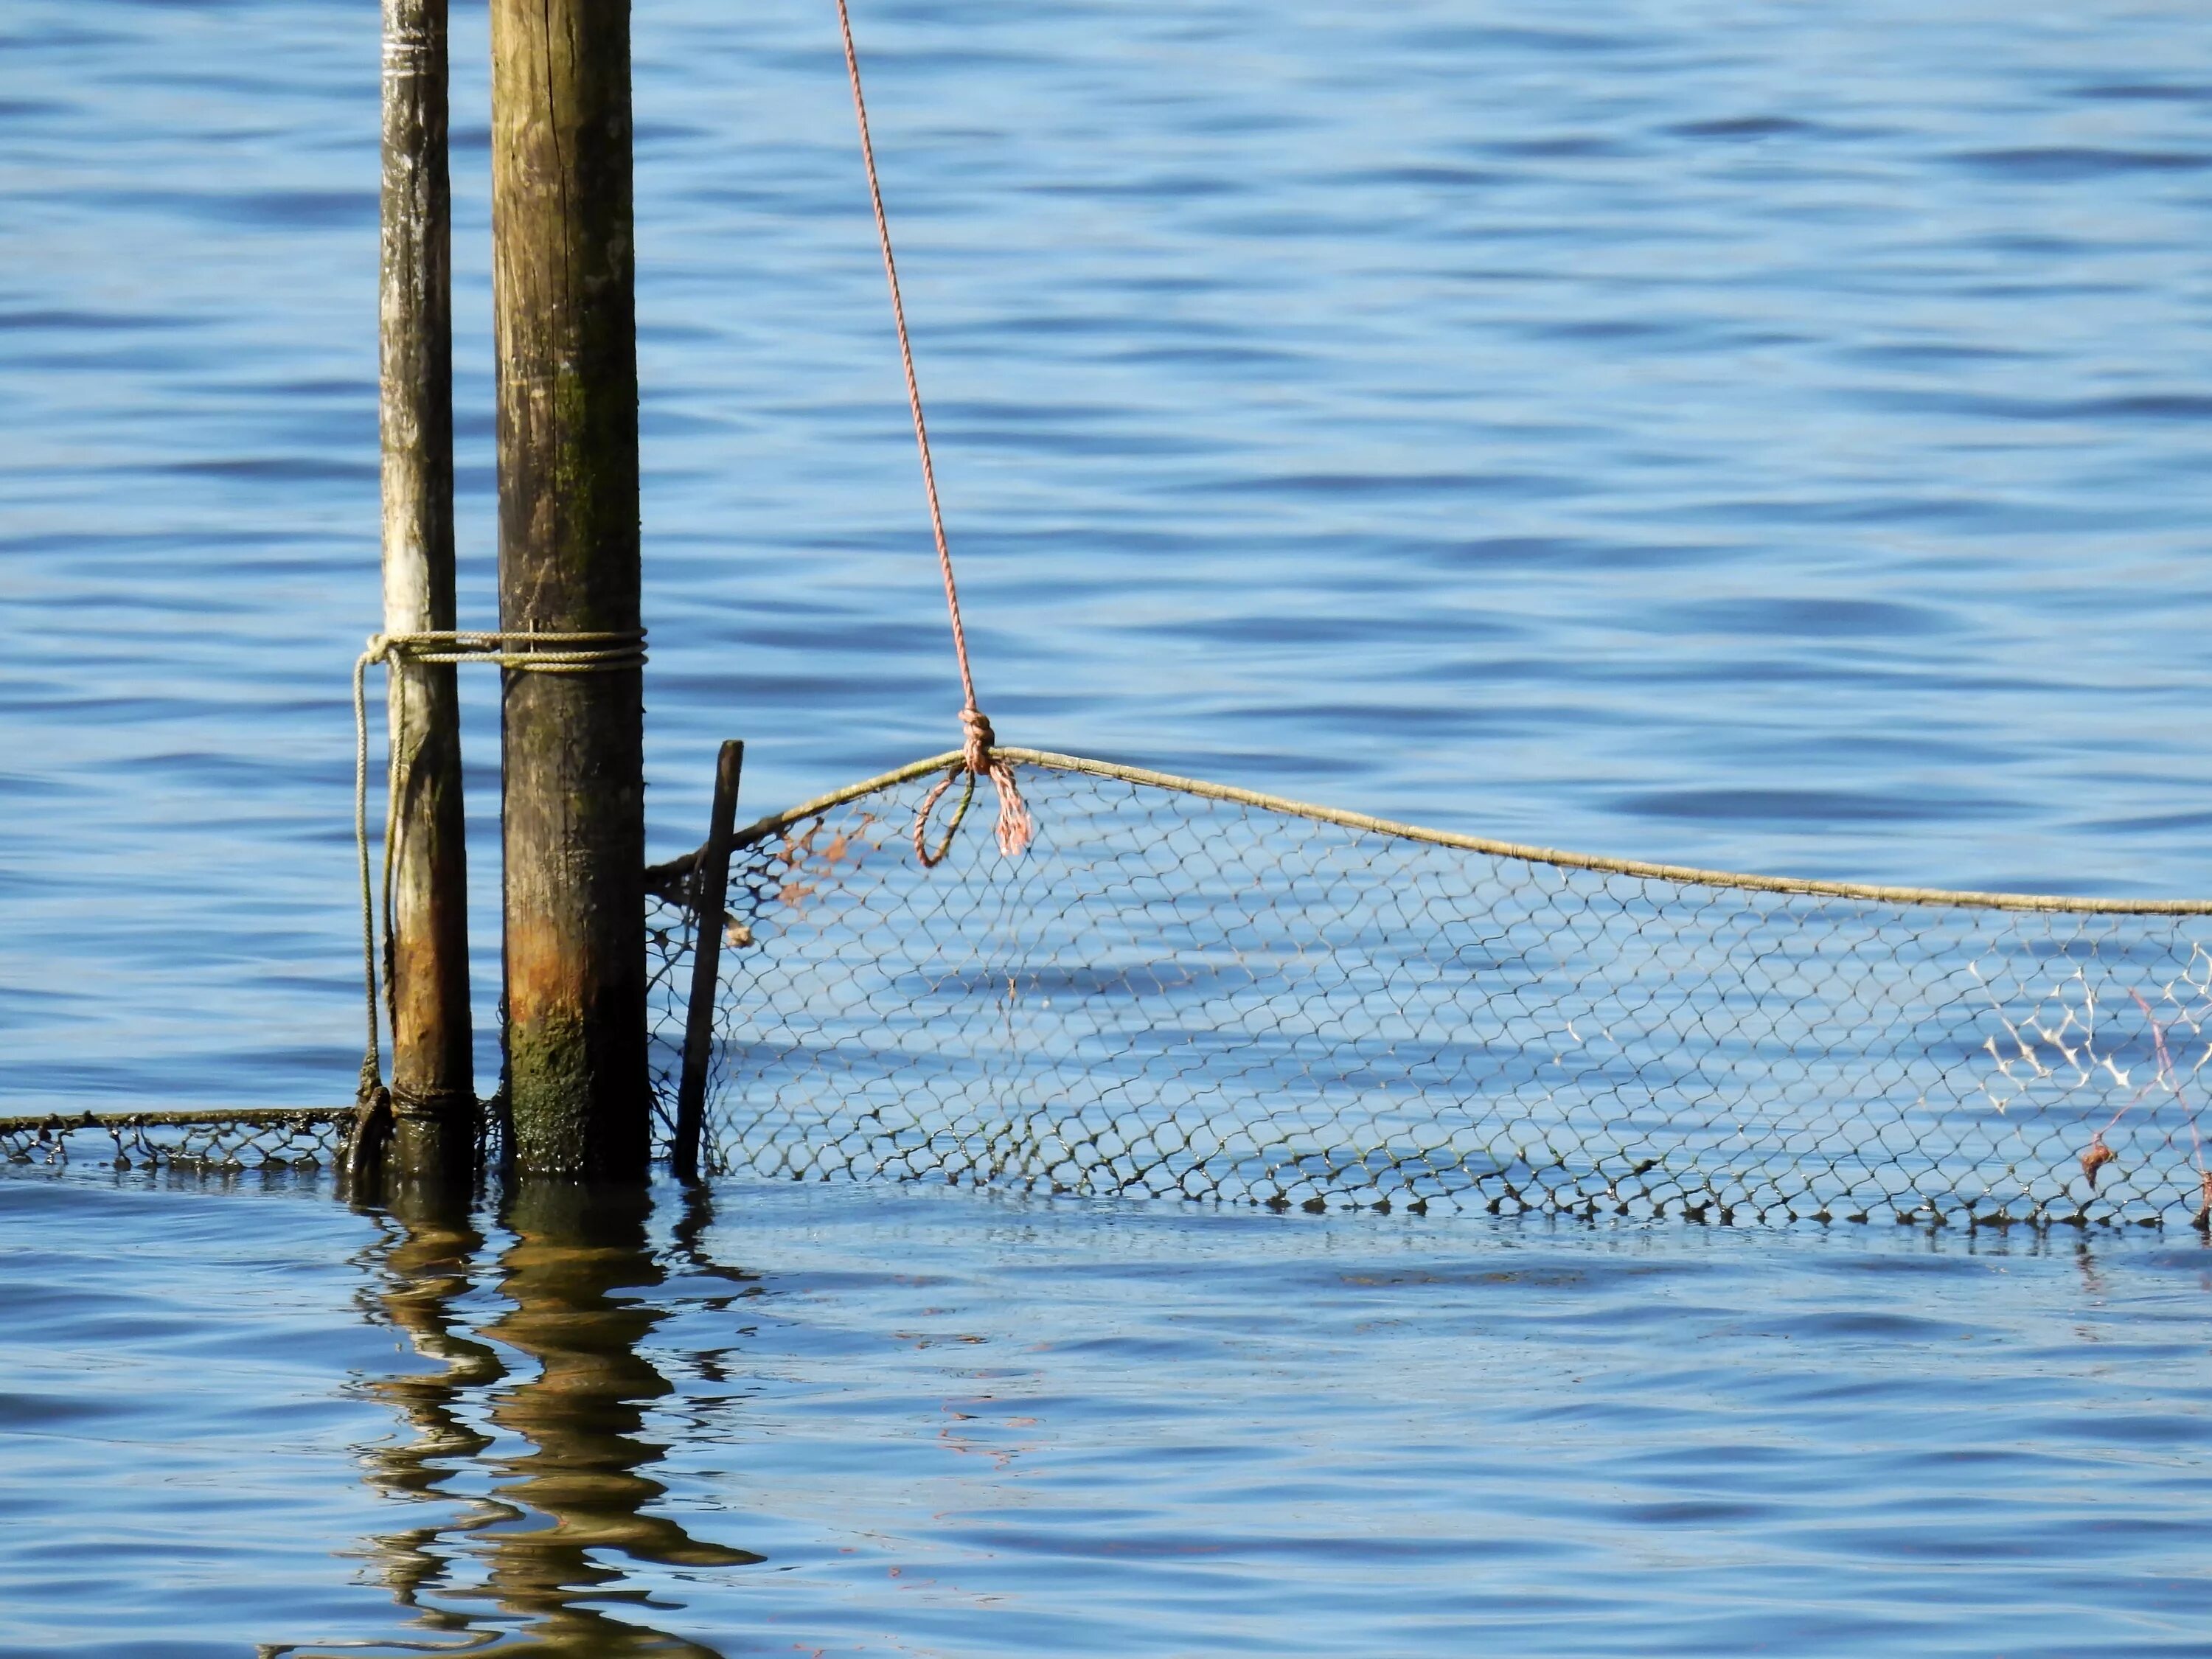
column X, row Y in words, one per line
column 573, row 801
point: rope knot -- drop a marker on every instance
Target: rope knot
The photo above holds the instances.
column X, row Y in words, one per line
column 982, row 739
column 1016, row 830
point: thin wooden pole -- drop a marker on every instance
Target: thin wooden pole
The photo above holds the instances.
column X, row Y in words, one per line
column 433, row 1085
column 573, row 761
column 710, row 886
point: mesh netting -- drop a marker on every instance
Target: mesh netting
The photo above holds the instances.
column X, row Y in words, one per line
column 671, row 932
column 1176, row 993
column 207, row 1141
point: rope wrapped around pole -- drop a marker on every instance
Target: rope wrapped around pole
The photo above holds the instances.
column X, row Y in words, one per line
column 530, row 654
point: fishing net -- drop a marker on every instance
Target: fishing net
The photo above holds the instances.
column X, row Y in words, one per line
column 226, row 1139
column 1190, row 991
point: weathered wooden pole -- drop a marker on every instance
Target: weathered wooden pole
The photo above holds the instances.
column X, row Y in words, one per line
column 433, row 1085
column 563, row 267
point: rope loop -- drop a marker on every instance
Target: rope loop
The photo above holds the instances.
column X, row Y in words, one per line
column 602, row 651
column 930, row 861
column 979, row 759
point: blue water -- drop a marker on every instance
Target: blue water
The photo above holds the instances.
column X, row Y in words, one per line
column 1767, row 437
column 953, row 1424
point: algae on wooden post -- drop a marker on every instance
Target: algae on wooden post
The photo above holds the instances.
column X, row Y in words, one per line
column 432, row 1084
column 574, row 800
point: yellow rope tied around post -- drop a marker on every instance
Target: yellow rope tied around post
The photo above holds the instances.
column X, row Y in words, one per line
column 608, row 652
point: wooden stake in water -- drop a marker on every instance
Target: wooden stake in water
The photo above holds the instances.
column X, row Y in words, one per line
column 710, row 887
column 574, row 802
column 432, row 1087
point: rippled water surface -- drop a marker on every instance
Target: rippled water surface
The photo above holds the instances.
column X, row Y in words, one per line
column 1764, row 436
column 901, row 1421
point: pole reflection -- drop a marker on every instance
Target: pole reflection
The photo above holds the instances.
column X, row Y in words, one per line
column 564, row 1501
column 576, row 1248
column 430, row 1258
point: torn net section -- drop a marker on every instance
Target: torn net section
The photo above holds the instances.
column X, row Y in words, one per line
column 1187, row 997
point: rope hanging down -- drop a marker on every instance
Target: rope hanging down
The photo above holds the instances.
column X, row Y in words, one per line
column 977, row 756
column 536, row 653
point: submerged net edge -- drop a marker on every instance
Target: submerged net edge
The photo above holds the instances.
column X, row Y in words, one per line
column 218, row 1139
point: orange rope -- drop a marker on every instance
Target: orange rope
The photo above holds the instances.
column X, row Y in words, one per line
column 1015, row 827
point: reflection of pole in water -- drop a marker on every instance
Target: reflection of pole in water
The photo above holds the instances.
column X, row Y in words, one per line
column 576, row 1248
column 426, row 1272
column 573, row 1488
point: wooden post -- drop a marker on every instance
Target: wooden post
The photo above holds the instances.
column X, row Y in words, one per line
column 710, row 887
column 574, row 760
column 432, row 1084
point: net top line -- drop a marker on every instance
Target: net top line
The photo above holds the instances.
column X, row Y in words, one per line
column 1365, row 823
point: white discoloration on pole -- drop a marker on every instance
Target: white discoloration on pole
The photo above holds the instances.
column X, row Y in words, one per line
column 432, row 1091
